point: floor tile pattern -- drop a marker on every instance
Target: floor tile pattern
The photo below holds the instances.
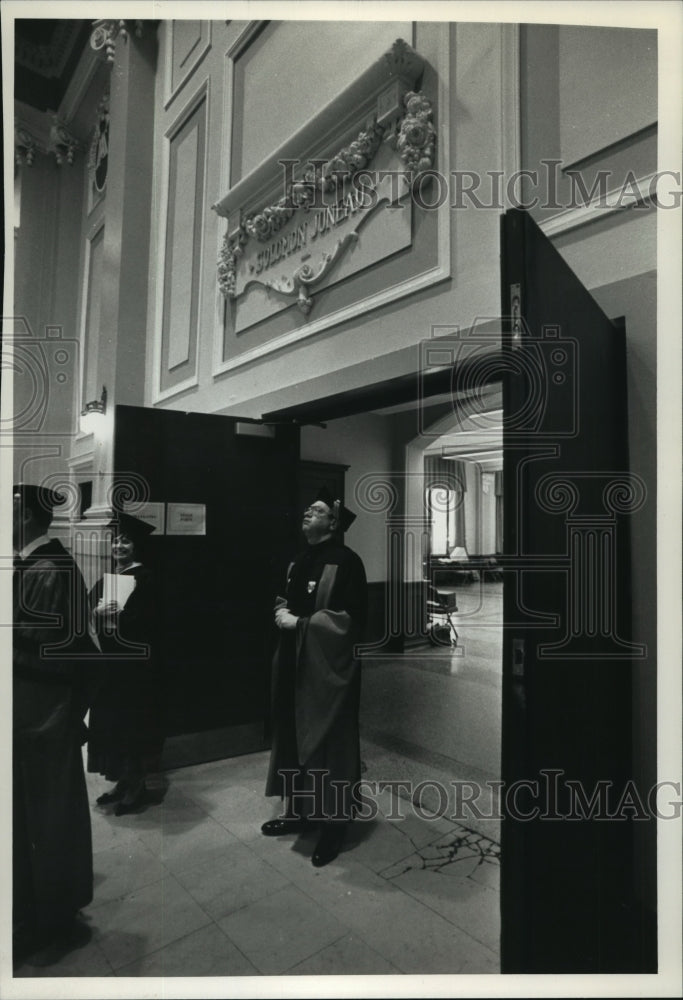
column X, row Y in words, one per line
column 190, row 887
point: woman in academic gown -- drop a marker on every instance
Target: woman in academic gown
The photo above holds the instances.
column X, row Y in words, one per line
column 125, row 721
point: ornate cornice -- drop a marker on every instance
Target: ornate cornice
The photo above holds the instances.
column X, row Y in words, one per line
column 106, row 33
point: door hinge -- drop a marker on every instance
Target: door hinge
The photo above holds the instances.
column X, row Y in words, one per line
column 516, row 314
column 518, row 653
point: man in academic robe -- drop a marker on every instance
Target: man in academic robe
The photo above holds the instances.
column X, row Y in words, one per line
column 53, row 657
column 315, row 757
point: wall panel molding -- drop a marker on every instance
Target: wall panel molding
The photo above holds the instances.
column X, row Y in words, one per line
column 196, row 48
column 510, row 100
column 88, row 380
column 617, row 201
column 176, row 335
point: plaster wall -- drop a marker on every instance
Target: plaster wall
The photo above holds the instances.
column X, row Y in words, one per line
column 45, row 343
column 615, row 256
column 635, row 299
column 276, row 100
column 595, row 60
column 473, row 58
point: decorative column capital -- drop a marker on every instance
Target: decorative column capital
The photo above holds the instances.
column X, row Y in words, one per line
column 25, row 146
column 105, row 34
column 62, row 143
column 53, row 138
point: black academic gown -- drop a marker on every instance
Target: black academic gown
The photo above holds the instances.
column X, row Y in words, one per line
column 126, row 718
column 316, row 683
column 52, row 672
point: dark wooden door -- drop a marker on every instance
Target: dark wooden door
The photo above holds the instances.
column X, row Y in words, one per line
column 216, row 589
column 566, row 899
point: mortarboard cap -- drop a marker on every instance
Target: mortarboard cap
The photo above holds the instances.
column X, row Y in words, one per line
column 132, row 527
column 345, row 517
column 39, row 499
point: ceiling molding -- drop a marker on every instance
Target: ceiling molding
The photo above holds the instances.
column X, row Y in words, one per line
column 47, row 59
column 79, row 84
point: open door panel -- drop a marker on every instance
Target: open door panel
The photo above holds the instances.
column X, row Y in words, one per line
column 216, row 588
column 566, row 893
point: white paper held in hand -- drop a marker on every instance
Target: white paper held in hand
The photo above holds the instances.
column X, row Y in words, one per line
column 117, row 588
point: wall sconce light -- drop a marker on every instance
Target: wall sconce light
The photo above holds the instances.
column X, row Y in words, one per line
column 92, row 410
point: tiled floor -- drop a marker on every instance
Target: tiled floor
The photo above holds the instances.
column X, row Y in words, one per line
column 436, row 714
column 190, row 887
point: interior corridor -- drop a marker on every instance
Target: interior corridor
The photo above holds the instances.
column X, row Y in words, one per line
column 434, row 714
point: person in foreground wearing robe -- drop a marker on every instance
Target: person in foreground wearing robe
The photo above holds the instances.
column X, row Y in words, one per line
column 315, row 756
column 53, row 663
column 125, row 720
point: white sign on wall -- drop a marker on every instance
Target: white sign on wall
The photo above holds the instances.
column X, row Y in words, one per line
column 152, row 513
column 186, row 519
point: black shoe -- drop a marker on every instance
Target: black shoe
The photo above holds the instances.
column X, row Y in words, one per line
column 108, row 797
column 24, row 942
column 73, row 934
column 329, row 845
column 48, row 945
column 279, row 827
column 128, row 807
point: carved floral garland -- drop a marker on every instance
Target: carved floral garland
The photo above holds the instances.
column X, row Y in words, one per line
column 318, row 177
column 417, row 137
column 414, row 140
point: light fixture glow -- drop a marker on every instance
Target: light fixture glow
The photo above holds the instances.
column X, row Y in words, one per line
column 92, row 411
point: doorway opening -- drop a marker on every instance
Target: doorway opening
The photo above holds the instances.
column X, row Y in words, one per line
column 431, row 711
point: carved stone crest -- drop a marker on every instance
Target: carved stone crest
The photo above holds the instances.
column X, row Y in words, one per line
column 105, row 34
column 98, row 153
